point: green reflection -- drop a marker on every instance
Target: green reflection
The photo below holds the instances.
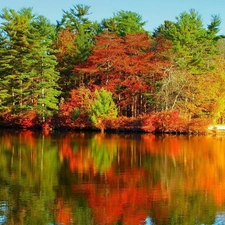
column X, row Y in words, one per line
column 103, row 152
column 29, row 168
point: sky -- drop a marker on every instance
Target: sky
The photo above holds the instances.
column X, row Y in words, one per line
column 154, row 12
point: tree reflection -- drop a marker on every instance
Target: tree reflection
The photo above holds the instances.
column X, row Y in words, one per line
column 27, row 178
column 84, row 178
column 115, row 190
column 156, row 176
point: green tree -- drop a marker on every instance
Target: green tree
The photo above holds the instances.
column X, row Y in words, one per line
column 27, row 63
column 13, row 61
column 193, row 45
column 4, row 59
column 46, row 90
column 85, row 29
column 123, row 23
column 102, row 108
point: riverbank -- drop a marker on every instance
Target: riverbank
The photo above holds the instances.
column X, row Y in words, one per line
column 162, row 122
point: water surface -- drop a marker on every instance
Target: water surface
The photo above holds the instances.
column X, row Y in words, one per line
column 110, row 179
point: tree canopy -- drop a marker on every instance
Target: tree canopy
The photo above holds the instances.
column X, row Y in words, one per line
column 28, row 72
column 47, row 68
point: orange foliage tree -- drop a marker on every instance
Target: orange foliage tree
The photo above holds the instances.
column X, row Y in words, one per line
column 128, row 67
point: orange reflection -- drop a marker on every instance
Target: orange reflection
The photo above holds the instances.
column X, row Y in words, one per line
column 64, row 213
column 179, row 163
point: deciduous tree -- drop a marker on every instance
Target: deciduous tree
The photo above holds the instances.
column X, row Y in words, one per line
column 128, row 67
column 74, row 40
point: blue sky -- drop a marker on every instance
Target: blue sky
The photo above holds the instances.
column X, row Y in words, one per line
column 154, row 12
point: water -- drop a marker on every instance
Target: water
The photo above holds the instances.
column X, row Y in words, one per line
column 96, row 179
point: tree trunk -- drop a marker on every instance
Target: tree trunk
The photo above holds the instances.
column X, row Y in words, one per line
column 102, row 130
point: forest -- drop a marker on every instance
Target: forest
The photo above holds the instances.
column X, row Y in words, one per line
column 111, row 75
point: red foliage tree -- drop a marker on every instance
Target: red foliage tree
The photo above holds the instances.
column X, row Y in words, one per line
column 72, row 113
column 128, row 67
column 164, row 122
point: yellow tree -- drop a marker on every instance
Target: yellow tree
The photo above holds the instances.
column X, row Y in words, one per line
column 218, row 94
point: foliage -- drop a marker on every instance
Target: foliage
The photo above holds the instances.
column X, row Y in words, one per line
column 27, row 65
column 73, row 113
column 75, row 34
column 167, row 122
column 193, row 44
column 128, row 67
column 124, row 23
column 192, row 61
column 217, row 92
column 50, row 72
column 102, row 108
column 85, row 30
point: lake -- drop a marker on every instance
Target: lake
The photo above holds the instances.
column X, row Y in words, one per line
column 111, row 179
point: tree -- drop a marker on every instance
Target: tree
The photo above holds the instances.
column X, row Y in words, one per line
column 102, row 108
column 27, row 63
column 123, row 23
column 127, row 66
column 4, row 84
column 65, row 54
column 101, row 66
column 46, row 90
column 13, row 61
column 192, row 60
column 193, row 45
column 75, row 34
column 216, row 92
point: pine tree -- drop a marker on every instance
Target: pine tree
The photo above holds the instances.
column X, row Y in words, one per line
column 194, row 50
column 123, row 23
column 102, row 108
column 45, row 89
column 27, row 63
column 14, row 71
column 193, row 46
column 4, row 84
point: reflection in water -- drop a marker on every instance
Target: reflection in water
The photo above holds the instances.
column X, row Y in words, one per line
column 148, row 221
column 85, row 178
column 3, row 211
column 220, row 218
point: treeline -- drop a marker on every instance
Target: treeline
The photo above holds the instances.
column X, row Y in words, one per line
column 80, row 74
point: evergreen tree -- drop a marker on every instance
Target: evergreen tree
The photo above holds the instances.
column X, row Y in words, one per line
column 76, row 20
column 123, row 23
column 4, row 84
column 14, row 60
column 102, row 108
column 193, row 45
column 45, row 91
column 27, row 63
